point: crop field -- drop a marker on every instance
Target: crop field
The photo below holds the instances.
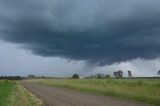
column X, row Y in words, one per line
column 140, row 90
column 12, row 93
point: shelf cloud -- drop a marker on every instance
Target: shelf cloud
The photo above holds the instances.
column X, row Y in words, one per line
column 96, row 31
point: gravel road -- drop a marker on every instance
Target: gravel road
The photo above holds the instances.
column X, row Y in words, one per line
column 52, row 96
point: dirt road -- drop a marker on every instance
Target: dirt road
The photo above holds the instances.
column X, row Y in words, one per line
column 63, row 97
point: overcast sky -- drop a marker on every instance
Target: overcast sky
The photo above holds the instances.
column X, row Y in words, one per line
column 62, row 37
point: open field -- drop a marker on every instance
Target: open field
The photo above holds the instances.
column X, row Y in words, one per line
column 12, row 93
column 147, row 91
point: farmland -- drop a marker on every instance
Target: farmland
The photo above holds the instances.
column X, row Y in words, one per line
column 12, row 93
column 140, row 90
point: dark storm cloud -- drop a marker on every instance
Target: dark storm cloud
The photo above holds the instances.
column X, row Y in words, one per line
column 97, row 31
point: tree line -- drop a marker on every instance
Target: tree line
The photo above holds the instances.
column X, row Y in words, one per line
column 116, row 74
column 10, row 78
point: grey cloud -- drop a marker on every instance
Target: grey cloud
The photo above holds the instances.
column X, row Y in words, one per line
column 96, row 31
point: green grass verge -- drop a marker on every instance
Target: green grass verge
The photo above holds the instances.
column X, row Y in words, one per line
column 147, row 91
column 6, row 88
column 12, row 93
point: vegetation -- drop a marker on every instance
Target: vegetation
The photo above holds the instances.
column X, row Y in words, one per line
column 98, row 76
column 129, row 74
column 158, row 72
column 6, row 88
column 118, row 74
column 75, row 76
column 10, row 78
column 142, row 90
column 12, row 93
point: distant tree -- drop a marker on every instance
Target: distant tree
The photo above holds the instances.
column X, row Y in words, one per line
column 114, row 74
column 99, row 76
column 31, row 76
column 43, row 76
column 158, row 72
column 129, row 74
column 75, row 76
column 118, row 74
column 107, row 76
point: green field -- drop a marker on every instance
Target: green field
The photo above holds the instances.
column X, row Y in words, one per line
column 12, row 93
column 146, row 91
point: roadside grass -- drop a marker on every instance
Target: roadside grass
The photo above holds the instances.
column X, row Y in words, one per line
column 6, row 88
column 12, row 93
column 141, row 90
column 22, row 96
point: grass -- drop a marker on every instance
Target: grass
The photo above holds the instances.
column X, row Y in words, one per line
column 12, row 93
column 6, row 89
column 146, row 91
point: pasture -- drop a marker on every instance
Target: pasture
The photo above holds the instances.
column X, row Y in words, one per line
column 140, row 90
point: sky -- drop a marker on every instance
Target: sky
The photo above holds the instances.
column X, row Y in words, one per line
column 60, row 38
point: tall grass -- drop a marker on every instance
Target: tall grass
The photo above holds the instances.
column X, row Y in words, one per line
column 147, row 91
